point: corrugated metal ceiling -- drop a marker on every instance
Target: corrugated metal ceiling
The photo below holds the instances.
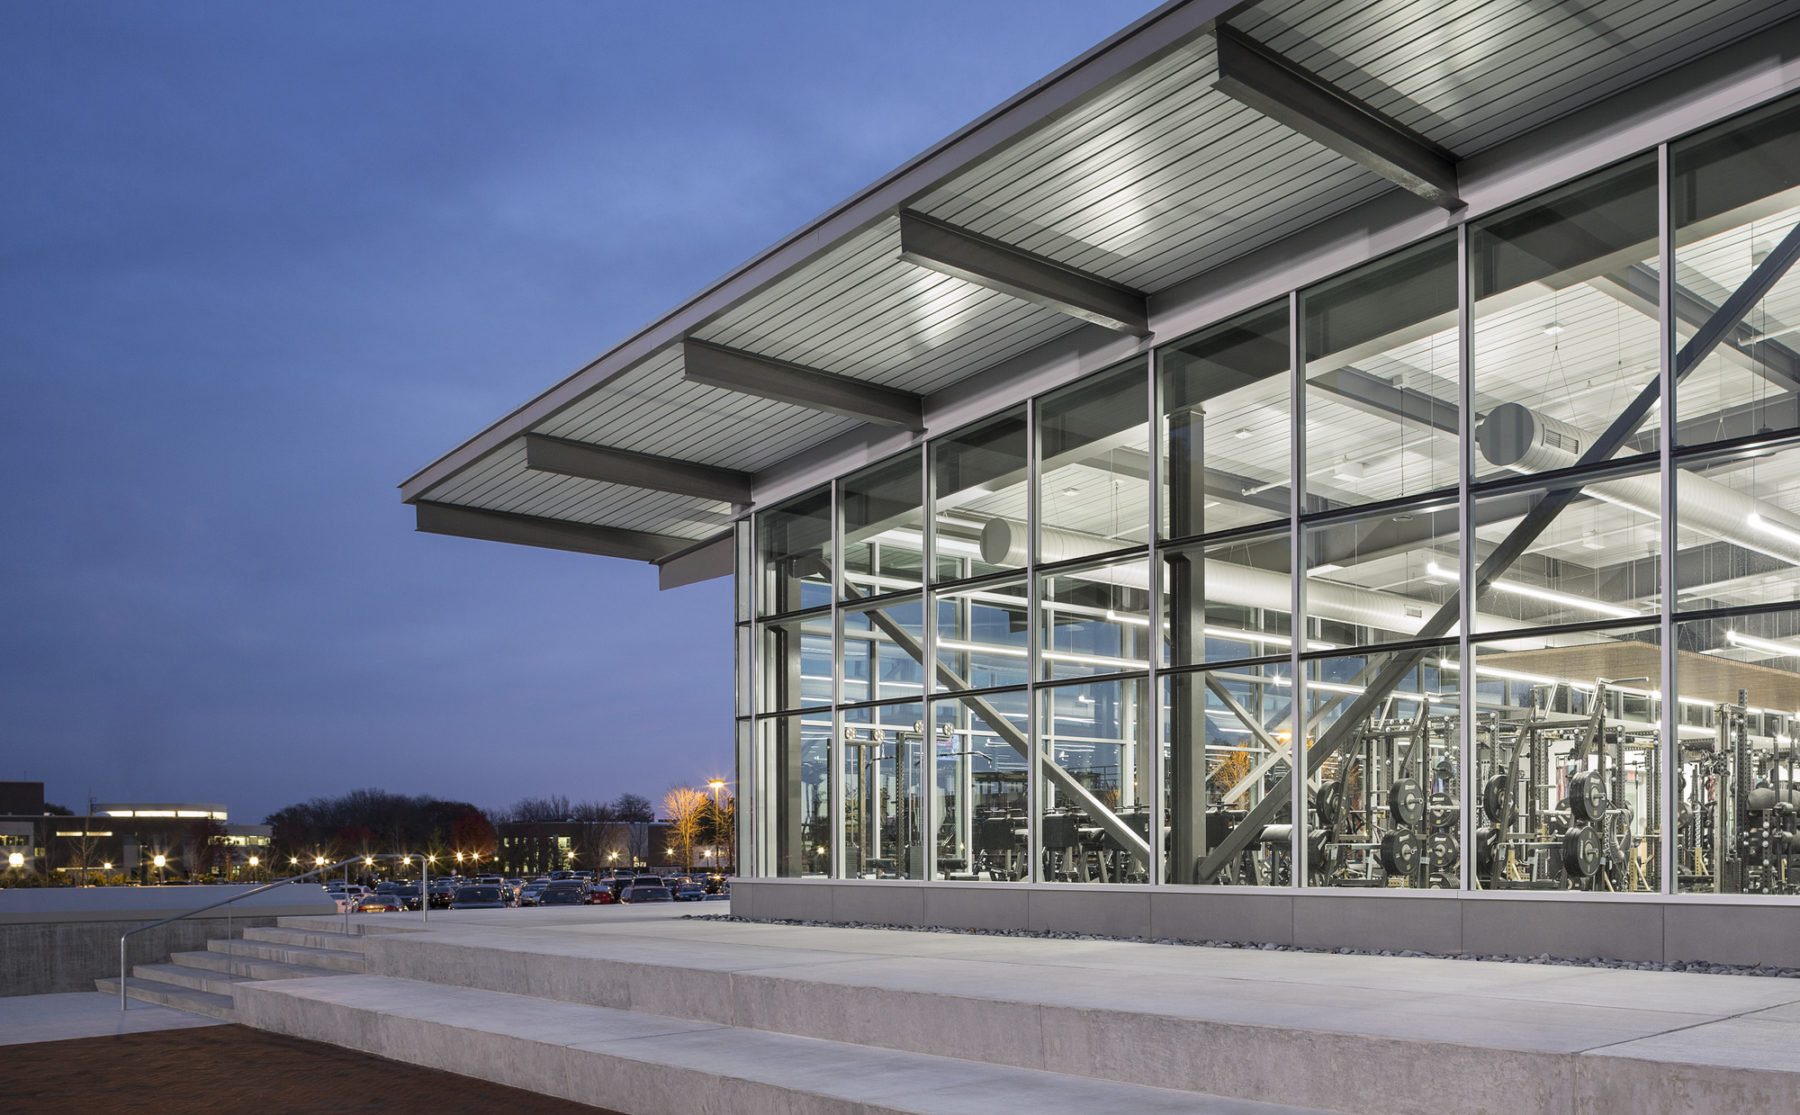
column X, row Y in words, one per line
column 1148, row 182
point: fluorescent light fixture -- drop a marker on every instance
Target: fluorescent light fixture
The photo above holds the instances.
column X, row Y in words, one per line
column 1767, row 646
column 1093, row 660
column 1591, row 540
column 1209, row 505
column 1433, row 569
column 982, row 648
column 1070, row 491
column 1320, row 570
column 1241, row 433
column 1350, row 471
column 1552, row 329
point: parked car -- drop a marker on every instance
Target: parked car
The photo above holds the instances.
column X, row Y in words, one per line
column 716, row 896
column 690, row 892
column 377, row 904
column 442, row 893
column 478, row 898
column 564, row 892
column 599, row 894
column 634, row 895
column 528, row 896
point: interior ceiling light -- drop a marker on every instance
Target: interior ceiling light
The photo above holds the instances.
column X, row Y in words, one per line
column 1323, row 568
column 1768, row 646
column 1433, row 569
column 1591, row 540
column 1348, row 470
column 1070, row 491
column 1241, row 433
column 1552, row 329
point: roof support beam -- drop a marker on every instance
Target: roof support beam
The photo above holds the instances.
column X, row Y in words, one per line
column 550, row 534
column 1258, row 77
column 564, row 457
column 944, row 248
column 731, row 369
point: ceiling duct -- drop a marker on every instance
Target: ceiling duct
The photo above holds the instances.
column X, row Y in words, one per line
column 1516, row 437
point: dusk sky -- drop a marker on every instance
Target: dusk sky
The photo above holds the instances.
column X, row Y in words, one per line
column 261, row 262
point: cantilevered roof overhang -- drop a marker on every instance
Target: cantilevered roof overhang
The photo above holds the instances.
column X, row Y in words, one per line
column 1087, row 213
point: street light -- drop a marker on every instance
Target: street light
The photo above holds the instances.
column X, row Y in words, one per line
column 15, row 860
column 159, row 861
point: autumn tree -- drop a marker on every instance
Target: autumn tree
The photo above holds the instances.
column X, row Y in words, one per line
column 686, row 810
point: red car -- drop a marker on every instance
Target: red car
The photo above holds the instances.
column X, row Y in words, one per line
column 601, row 896
column 379, row 904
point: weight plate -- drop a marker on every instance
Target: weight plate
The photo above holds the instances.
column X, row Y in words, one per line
column 1495, row 800
column 1406, row 802
column 1400, row 852
column 1331, row 797
column 1581, row 851
column 1587, row 796
column 1316, row 844
column 1443, row 849
column 1442, row 811
column 1487, row 845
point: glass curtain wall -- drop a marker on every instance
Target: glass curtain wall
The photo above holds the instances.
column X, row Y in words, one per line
column 1383, row 568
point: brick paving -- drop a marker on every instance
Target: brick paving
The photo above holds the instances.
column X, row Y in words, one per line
column 236, row 1068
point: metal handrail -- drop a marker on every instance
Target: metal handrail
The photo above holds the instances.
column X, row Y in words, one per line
column 424, row 902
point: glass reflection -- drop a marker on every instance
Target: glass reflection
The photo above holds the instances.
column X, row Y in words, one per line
column 885, row 748
column 981, row 783
column 794, row 772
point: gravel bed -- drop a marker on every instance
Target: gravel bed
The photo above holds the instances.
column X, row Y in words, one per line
column 1048, row 935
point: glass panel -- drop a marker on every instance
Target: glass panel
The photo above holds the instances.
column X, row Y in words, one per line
column 1094, row 488
column 983, row 637
column 978, row 491
column 1094, row 620
column 1568, row 768
column 884, row 646
column 794, row 808
column 1227, row 426
column 744, row 574
column 1094, row 748
column 1598, row 559
column 981, row 786
column 1565, row 289
column 1737, row 530
column 745, row 674
column 794, row 663
column 1383, row 809
column 1380, row 578
column 1227, row 601
column 1228, row 746
column 1738, row 794
column 1736, row 192
column 793, row 544
column 884, row 748
column 741, row 855
column 1381, row 379
column 884, row 527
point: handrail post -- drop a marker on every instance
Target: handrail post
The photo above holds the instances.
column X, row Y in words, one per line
column 122, row 971
column 424, row 890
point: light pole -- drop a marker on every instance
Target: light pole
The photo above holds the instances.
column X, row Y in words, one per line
column 159, row 860
column 715, row 785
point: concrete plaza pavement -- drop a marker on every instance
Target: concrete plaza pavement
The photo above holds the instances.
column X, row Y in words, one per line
column 85, row 1014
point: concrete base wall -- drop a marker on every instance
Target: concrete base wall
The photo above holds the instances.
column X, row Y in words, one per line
column 41, row 958
column 1719, row 930
column 64, row 938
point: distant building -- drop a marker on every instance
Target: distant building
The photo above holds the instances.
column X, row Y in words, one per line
column 123, row 838
column 537, row 847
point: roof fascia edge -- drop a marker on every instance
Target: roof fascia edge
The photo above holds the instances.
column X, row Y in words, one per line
column 1042, row 103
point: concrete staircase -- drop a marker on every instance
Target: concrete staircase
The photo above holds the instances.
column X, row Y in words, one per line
column 204, row 982
column 656, row 1016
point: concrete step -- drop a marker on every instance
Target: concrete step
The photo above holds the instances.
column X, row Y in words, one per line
column 1361, row 1033
column 192, row 1000
column 198, row 979
column 247, row 967
column 305, row 938
column 339, row 960
column 656, row 1065
column 369, row 925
